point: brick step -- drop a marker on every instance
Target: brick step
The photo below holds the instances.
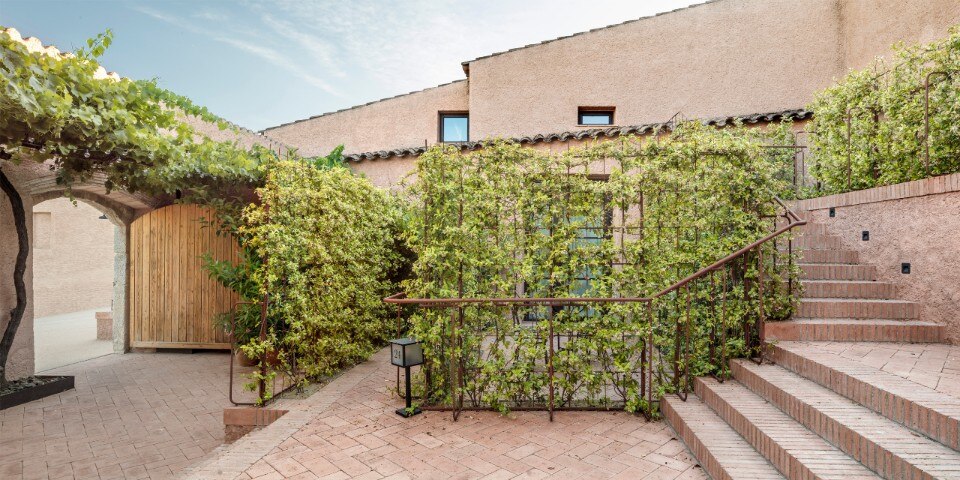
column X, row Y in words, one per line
column 856, row 308
column 794, row 450
column 829, row 256
column 722, row 453
column 837, row 271
column 921, row 408
column 848, row 289
column 817, row 242
column 882, row 445
column 853, row 330
column 814, row 229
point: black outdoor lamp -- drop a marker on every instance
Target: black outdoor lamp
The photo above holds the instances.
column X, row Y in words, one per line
column 406, row 353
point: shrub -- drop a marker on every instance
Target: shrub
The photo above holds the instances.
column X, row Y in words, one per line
column 327, row 242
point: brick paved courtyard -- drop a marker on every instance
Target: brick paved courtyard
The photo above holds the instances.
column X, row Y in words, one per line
column 159, row 416
column 130, row 416
column 349, row 430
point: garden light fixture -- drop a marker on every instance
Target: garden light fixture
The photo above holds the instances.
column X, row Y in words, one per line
column 406, row 353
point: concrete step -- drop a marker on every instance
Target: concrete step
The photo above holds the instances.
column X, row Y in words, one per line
column 920, row 408
column 854, row 330
column 856, row 308
column 722, row 453
column 829, row 256
column 837, row 271
column 794, row 450
column 817, row 242
column 882, row 445
column 848, row 289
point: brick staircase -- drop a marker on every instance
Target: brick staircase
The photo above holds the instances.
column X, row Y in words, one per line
column 843, row 301
column 811, row 414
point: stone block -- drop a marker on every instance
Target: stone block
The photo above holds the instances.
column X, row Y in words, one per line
column 104, row 326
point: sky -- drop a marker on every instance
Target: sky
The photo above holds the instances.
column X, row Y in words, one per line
column 263, row 63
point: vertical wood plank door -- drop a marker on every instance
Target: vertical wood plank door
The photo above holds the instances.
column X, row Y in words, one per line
column 173, row 301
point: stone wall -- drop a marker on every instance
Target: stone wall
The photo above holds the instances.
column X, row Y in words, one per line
column 914, row 222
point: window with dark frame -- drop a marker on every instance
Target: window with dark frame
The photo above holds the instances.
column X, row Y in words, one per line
column 454, row 127
column 595, row 116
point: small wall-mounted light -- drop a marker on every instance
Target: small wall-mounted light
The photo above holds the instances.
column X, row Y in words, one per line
column 865, row 235
column 905, row 268
column 833, row 212
column 103, row 217
column 406, row 353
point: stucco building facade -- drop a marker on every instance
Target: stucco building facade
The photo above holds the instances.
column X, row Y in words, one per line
column 716, row 60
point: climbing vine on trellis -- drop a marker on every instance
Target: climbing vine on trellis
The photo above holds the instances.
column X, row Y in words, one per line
column 623, row 218
column 869, row 129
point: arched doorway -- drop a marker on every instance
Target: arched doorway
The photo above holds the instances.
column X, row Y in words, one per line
column 79, row 265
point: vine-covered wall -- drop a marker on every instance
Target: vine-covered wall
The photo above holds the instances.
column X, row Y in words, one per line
column 621, row 219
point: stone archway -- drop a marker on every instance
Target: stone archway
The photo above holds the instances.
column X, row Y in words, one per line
column 34, row 182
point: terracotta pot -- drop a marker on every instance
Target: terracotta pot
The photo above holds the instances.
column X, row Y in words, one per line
column 242, row 359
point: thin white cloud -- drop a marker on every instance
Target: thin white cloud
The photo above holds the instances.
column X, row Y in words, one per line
column 271, row 55
column 322, row 51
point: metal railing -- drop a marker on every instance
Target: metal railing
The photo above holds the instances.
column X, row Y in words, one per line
column 699, row 296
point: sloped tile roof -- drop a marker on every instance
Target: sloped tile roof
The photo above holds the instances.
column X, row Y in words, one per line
column 594, row 133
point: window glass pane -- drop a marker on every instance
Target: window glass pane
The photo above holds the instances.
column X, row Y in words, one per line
column 596, row 118
column 455, row 128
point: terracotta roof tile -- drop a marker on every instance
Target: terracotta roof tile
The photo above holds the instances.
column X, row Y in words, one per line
column 594, row 133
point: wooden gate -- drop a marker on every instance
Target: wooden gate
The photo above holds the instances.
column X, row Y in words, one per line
column 172, row 300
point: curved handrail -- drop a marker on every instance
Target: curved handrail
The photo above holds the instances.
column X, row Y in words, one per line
column 795, row 221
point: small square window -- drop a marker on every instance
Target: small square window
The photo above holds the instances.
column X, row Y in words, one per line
column 454, row 127
column 595, row 116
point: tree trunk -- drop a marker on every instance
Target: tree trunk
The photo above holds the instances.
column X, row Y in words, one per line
column 16, row 313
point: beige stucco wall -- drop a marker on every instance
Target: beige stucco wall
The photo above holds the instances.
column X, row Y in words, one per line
column 398, row 122
column 723, row 58
column 871, row 26
column 243, row 137
column 916, row 223
column 73, row 258
column 726, row 57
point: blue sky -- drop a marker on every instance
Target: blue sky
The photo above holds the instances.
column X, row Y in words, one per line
column 262, row 63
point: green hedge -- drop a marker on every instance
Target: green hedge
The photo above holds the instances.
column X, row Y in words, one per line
column 885, row 105
column 326, row 240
